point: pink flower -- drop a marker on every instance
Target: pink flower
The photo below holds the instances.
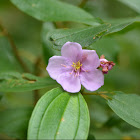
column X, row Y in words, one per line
column 76, row 67
column 105, row 64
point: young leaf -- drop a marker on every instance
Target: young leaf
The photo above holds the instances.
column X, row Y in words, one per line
column 49, row 10
column 59, row 115
column 127, row 107
column 16, row 82
column 14, row 122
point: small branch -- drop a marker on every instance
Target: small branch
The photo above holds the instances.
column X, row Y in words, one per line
column 99, row 94
column 13, row 46
column 36, row 72
column 36, row 67
column 82, row 4
column 105, row 96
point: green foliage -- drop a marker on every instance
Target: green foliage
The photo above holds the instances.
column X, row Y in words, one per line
column 50, row 10
column 85, row 36
column 127, row 107
column 119, row 24
column 59, row 115
column 14, row 122
column 88, row 35
column 16, row 82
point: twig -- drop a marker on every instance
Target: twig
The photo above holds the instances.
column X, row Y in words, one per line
column 36, row 72
column 13, row 46
column 99, row 94
column 82, row 4
column 36, row 68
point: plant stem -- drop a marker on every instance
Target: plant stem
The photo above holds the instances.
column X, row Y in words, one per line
column 13, row 46
column 36, row 72
column 99, row 94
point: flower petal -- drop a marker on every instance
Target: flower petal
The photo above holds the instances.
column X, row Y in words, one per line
column 90, row 60
column 72, row 50
column 57, row 65
column 69, row 82
column 92, row 80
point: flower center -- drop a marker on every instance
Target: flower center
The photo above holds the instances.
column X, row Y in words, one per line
column 76, row 65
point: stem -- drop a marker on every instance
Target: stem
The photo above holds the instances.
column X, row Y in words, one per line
column 36, row 68
column 105, row 96
column 36, row 72
column 99, row 94
column 82, row 4
column 13, row 46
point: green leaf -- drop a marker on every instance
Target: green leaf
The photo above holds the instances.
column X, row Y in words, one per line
column 50, row 10
column 134, row 4
column 8, row 60
column 16, row 82
column 59, row 115
column 120, row 24
column 88, row 35
column 84, row 36
column 14, row 122
column 127, row 107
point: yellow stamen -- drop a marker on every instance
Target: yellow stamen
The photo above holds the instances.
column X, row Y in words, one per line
column 76, row 65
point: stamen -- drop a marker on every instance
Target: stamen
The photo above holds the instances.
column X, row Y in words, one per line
column 76, row 68
column 71, row 72
column 63, row 65
column 76, row 65
column 85, row 70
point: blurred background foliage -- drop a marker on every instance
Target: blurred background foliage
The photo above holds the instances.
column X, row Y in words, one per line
column 26, row 32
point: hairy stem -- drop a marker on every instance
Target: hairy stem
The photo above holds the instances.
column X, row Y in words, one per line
column 13, row 46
